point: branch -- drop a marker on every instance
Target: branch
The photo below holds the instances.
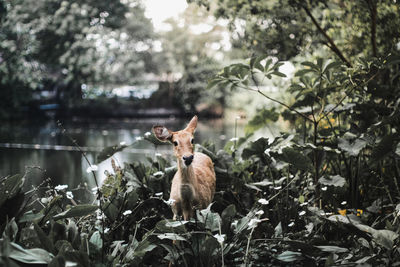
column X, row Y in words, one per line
column 332, row 44
column 274, row 100
column 373, row 12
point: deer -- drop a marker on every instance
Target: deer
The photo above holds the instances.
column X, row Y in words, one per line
column 193, row 185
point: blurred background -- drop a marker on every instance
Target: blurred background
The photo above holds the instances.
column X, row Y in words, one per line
column 109, row 70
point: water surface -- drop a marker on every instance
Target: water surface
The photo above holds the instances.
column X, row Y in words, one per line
column 44, row 150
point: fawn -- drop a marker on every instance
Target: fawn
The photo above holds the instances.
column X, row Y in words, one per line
column 193, row 185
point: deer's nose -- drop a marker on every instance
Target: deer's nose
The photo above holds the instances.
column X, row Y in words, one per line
column 188, row 159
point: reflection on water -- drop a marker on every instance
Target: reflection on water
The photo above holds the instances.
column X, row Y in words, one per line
column 44, row 151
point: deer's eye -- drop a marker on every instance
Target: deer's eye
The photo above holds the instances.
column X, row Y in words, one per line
column 175, row 143
column 192, row 141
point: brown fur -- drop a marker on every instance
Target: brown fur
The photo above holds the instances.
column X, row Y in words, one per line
column 193, row 186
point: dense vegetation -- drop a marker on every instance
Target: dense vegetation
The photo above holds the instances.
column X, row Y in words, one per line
column 325, row 193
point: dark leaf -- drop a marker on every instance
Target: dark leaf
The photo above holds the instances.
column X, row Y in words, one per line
column 77, row 211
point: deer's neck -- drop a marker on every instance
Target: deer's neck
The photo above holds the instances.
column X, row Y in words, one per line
column 186, row 173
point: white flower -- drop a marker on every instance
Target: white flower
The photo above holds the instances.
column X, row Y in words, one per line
column 94, row 190
column 158, row 155
column 344, row 203
column 69, row 195
column 100, row 214
column 170, row 201
column 122, row 143
column 220, row 238
column 106, row 230
column 147, row 134
column 61, row 187
column 92, row 168
column 44, row 200
column 324, row 188
column 260, row 212
column 291, row 224
column 138, row 138
column 263, row 201
column 234, row 139
column 159, row 173
column 253, row 223
column 301, row 213
column 127, row 212
column 159, row 194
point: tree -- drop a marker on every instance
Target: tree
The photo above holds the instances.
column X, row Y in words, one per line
column 63, row 45
column 193, row 50
column 286, row 28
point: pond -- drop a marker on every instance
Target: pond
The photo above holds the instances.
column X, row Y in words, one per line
column 45, row 151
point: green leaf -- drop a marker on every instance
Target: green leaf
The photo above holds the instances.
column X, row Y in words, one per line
column 302, row 72
column 10, row 186
column 29, row 216
column 353, row 148
column 213, row 82
column 255, row 148
column 297, row 159
column 280, row 74
column 261, row 119
column 336, row 180
column 109, row 151
column 332, row 65
column 143, row 247
column 310, row 64
column 76, row 211
column 166, row 226
column 210, row 219
column 384, row 147
column 228, row 214
column 289, row 256
column 30, row 256
column 171, row 236
column 332, row 249
column 96, row 240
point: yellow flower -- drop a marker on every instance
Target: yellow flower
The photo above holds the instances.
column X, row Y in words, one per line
column 343, row 212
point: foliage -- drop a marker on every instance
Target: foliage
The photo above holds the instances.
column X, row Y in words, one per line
column 262, row 214
column 67, row 46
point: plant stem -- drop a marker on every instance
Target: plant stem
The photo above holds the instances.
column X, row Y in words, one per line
column 221, row 243
column 248, row 246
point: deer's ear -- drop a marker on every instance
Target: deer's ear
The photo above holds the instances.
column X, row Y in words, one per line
column 162, row 133
column 191, row 127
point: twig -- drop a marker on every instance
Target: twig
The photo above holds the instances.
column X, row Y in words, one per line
column 99, row 195
column 332, row 44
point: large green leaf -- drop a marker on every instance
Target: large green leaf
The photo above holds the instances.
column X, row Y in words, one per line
column 30, row 216
column 109, row 151
column 289, row 256
column 352, row 147
column 296, row 158
column 332, row 249
column 30, row 256
column 255, row 148
column 76, row 211
column 333, row 180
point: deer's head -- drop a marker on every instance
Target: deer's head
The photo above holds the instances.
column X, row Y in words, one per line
column 182, row 140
